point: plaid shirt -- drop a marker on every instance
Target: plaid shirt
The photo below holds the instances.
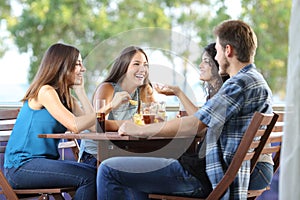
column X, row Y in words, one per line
column 227, row 116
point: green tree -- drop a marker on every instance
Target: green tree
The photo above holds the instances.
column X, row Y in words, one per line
column 196, row 20
column 4, row 14
column 87, row 24
column 78, row 22
column 270, row 21
column 84, row 24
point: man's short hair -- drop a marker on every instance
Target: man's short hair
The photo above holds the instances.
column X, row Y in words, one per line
column 240, row 36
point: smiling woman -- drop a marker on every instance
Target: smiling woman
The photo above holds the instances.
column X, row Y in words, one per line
column 49, row 106
column 125, row 87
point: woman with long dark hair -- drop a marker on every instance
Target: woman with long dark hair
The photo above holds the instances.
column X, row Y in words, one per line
column 209, row 74
column 49, row 107
column 127, row 81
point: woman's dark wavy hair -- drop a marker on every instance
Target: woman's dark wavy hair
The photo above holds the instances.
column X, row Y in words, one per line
column 212, row 52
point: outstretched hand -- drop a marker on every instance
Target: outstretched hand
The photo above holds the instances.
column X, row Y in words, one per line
column 167, row 90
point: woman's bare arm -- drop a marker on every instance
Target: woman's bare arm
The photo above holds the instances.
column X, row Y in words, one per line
column 49, row 99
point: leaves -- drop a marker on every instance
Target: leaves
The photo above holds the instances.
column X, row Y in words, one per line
column 270, row 21
column 87, row 24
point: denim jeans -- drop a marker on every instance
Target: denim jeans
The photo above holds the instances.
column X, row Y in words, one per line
column 261, row 176
column 134, row 177
column 47, row 173
column 88, row 159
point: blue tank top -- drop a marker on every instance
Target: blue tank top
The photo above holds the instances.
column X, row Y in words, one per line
column 24, row 143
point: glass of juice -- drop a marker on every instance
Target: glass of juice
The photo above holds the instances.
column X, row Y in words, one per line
column 149, row 111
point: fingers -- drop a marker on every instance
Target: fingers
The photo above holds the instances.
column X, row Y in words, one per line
column 129, row 128
column 165, row 89
column 123, row 95
column 122, row 128
column 120, row 98
column 121, row 132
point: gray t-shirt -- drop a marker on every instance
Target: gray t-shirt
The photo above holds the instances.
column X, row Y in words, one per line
column 123, row 112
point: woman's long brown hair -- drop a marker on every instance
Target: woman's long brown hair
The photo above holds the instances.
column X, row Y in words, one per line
column 121, row 64
column 56, row 69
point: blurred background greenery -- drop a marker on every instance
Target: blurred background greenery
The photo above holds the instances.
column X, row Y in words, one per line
column 86, row 23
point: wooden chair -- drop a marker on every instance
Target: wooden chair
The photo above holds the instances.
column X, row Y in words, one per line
column 7, row 120
column 261, row 126
column 72, row 144
column 273, row 146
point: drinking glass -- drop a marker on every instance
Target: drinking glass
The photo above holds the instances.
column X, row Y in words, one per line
column 100, row 114
column 161, row 112
column 149, row 111
column 182, row 111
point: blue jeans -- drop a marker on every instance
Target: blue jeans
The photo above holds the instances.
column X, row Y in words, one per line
column 48, row 173
column 261, row 176
column 88, row 159
column 134, row 177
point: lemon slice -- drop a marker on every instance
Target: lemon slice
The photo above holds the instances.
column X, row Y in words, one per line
column 133, row 102
column 138, row 119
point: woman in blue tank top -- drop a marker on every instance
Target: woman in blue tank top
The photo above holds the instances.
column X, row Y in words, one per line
column 49, row 107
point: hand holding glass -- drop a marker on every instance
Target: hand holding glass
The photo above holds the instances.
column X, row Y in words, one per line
column 100, row 114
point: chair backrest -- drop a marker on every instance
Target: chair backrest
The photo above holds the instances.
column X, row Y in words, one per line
column 7, row 122
column 7, row 119
column 275, row 140
column 266, row 146
column 72, row 144
column 272, row 146
column 261, row 127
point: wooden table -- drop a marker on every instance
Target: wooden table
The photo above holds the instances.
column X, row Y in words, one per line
column 112, row 144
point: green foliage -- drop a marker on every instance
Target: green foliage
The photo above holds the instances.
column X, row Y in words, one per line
column 85, row 24
column 270, row 21
column 4, row 13
column 78, row 22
